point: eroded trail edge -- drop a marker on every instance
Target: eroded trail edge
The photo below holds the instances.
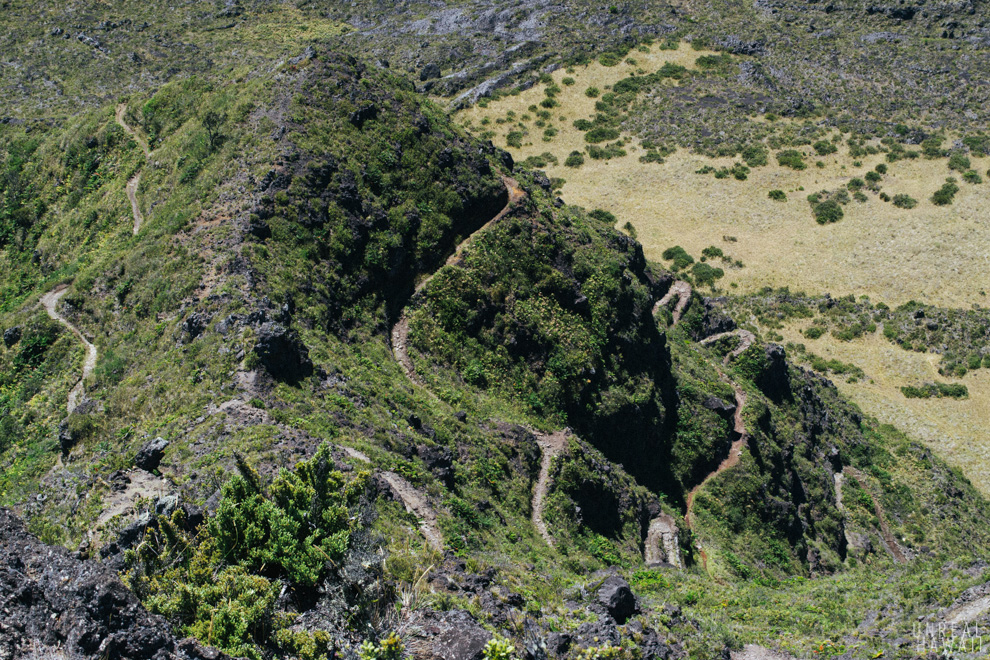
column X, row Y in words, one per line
column 50, row 302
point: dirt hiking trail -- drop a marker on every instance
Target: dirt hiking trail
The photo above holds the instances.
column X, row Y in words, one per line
column 135, row 181
column 50, row 302
column 888, row 537
column 683, row 292
column 746, row 339
column 550, row 446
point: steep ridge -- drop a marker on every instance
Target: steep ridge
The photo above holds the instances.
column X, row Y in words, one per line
column 50, row 302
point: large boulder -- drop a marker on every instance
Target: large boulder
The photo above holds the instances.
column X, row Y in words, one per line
column 617, row 598
column 282, row 353
column 150, row 456
column 453, row 635
column 11, row 336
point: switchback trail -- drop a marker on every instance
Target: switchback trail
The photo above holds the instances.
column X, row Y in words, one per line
column 888, row 537
column 400, row 331
column 735, row 450
column 50, row 302
column 135, row 181
column 683, row 292
column 550, row 446
column 746, row 339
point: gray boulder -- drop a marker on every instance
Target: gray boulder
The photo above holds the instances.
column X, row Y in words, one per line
column 617, row 598
column 150, row 456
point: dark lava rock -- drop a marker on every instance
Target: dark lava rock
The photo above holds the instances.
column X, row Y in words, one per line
column 453, row 635
column 460, row 416
column 194, row 325
column 720, row 407
column 11, row 336
column 282, row 353
column 150, row 456
column 430, row 71
column 617, row 598
column 439, row 461
column 53, row 604
column 773, row 379
column 363, row 114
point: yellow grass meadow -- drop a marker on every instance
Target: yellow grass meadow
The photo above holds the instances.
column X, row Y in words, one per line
column 938, row 255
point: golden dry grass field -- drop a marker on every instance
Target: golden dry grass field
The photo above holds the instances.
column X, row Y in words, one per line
column 938, row 255
column 957, row 429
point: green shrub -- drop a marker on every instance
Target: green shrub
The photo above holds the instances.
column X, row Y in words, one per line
column 390, row 648
column 679, row 256
column 499, row 648
column 824, row 148
column 936, row 390
column 881, row 168
column 959, row 161
column 592, row 92
column 568, row 81
column 971, row 176
column 755, row 155
column 514, row 139
column 814, row 332
column 828, row 212
column 706, row 275
column 651, row 156
column 903, row 201
column 604, row 216
column 944, row 195
column 219, row 584
column 791, row 158
column 855, row 184
column 583, row 124
column 609, row 59
column 873, row 177
column 574, row 159
column 601, row 134
column 711, row 252
column 777, row 195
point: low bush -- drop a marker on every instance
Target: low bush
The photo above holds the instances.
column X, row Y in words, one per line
column 828, row 212
column 936, row 390
column 944, row 195
column 679, row 256
column 791, row 158
column 903, row 201
column 777, row 195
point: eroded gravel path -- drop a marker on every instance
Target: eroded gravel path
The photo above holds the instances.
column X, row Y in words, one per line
column 746, row 339
column 416, row 504
column 550, row 445
column 50, row 302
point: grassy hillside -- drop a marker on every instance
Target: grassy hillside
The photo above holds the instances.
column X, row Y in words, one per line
column 390, row 376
